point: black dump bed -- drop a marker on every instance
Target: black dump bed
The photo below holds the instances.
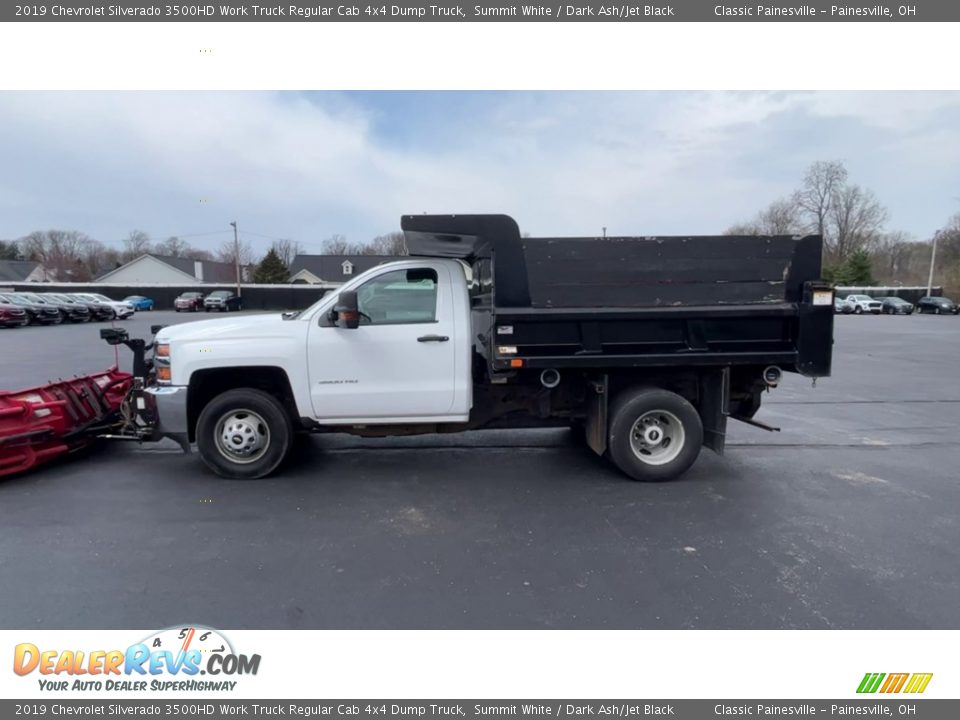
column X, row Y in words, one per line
column 666, row 271
column 633, row 301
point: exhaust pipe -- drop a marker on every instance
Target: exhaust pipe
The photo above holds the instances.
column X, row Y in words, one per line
column 772, row 375
column 550, row 378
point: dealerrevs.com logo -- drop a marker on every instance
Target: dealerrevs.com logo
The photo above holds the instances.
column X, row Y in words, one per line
column 171, row 659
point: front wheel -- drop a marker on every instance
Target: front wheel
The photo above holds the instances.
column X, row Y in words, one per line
column 654, row 435
column 858, row 310
column 244, row 434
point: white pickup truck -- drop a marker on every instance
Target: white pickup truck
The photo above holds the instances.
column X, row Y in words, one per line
column 644, row 345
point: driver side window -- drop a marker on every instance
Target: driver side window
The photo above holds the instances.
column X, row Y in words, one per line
column 398, row 298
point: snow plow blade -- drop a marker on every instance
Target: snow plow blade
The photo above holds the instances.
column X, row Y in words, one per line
column 46, row 422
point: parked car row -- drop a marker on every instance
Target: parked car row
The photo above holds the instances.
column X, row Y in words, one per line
column 859, row 304
column 219, row 300
column 48, row 308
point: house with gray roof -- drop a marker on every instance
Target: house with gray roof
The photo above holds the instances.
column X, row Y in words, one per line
column 23, row 271
column 315, row 269
column 164, row 269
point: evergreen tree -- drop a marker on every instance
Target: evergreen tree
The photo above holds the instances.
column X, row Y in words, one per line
column 271, row 269
column 9, row 251
column 857, row 270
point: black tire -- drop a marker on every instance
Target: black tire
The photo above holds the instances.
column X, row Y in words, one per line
column 177, row 309
column 858, row 310
column 277, row 428
column 627, row 411
column 936, row 311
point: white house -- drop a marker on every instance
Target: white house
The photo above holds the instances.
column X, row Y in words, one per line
column 149, row 269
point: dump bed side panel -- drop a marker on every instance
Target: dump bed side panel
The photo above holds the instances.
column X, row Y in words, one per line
column 669, row 271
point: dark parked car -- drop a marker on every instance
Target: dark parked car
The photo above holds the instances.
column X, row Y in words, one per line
column 98, row 311
column 937, row 305
column 222, row 300
column 188, row 301
column 68, row 311
column 895, row 306
column 38, row 313
column 13, row 315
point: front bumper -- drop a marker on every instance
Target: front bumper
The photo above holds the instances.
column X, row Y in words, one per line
column 166, row 409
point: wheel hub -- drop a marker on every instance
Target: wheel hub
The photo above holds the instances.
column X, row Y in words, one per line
column 657, row 437
column 242, row 436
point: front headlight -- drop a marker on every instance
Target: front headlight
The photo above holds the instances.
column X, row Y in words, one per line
column 161, row 362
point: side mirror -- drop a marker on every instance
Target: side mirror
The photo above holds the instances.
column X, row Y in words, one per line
column 347, row 311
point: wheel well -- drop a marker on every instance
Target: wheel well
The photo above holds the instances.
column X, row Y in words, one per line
column 207, row 384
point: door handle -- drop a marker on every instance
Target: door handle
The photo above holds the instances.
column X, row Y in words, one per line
column 432, row 338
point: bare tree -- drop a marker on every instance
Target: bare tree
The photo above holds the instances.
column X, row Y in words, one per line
column 892, row 257
column 173, row 246
column 61, row 252
column 195, row 254
column 135, row 244
column 821, row 182
column 339, row 245
column 743, row 228
column 855, row 220
column 781, row 217
column 286, row 250
column 227, row 252
column 390, row 244
column 97, row 258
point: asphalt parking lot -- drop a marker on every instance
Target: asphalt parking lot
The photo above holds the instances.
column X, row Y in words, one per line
column 848, row 518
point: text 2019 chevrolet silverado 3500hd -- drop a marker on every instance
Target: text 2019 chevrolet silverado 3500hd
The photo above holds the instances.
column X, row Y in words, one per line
column 647, row 345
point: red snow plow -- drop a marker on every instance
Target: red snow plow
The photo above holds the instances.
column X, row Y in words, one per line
column 42, row 423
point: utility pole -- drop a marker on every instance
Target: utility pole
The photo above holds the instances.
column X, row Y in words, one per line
column 604, row 230
column 933, row 259
column 236, row 253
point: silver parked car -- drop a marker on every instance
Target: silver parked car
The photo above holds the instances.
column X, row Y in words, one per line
column 841, row 306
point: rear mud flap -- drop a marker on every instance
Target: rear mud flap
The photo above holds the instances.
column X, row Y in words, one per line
column 596, row 430
column 714, row 404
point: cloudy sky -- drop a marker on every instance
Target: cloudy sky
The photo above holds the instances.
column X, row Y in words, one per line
column 309, row 165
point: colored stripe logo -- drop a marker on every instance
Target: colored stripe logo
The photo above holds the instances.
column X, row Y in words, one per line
column 894, row 682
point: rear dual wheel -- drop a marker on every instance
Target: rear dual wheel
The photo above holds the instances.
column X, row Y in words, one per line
column 654, row 434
